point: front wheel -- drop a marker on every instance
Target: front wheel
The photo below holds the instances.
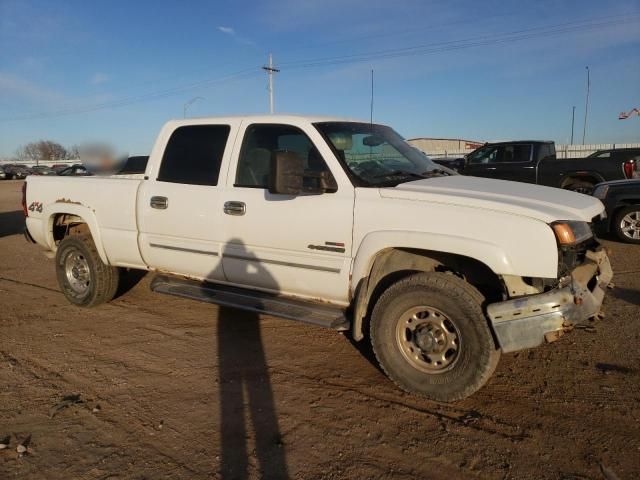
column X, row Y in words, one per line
column 627, row 224
column 84, row 279
column 431, row 337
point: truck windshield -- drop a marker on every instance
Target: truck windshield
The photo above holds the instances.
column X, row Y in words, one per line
column 376, row 156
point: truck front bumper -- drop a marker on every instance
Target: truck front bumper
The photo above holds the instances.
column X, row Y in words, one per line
column 527, row 322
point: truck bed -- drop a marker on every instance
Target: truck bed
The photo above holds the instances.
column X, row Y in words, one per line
column 106, row 204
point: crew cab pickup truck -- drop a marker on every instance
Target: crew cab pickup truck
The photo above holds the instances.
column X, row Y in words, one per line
column 341, row 224
column 534, row 161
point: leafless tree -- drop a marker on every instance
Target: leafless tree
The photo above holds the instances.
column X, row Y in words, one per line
column 42, row 150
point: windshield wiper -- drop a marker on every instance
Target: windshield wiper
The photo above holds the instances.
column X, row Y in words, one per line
column 435, row 172
column 395, row 173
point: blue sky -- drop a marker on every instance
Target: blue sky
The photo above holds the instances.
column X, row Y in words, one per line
column 77, row 71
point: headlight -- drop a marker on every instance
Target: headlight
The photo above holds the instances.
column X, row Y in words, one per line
column 601, row 191
column 570, row 232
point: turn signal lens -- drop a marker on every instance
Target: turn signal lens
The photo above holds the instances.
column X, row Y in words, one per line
column 571, row 232
column 564, row 234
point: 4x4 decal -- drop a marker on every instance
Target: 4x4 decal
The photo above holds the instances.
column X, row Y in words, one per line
column 35, row 207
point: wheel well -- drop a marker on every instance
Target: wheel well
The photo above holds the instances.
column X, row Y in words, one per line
column 395, row 264
column 64, row 224
column 579, row 178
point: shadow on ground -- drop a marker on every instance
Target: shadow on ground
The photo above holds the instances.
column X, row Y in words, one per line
column 11, row 223
column 629, row 295
column 247, row 405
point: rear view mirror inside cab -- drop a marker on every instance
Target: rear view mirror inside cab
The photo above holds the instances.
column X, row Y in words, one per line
column 372, row 141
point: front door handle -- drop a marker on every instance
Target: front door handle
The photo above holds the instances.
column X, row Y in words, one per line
column 160, row 203
column 235, row 208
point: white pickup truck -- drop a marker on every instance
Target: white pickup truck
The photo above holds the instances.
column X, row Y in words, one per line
column 341, row 224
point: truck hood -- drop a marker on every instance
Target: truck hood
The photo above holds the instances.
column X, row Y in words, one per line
column 542, row 203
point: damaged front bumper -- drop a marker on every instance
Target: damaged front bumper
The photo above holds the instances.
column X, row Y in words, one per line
column 527, row 322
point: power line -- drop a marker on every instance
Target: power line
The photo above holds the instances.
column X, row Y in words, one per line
column 483, row 40
column 424, row 49
column 242, row 74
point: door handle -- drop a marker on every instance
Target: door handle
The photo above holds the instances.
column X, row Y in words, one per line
column 160, row 203
column 235, row 208
column 491, row 168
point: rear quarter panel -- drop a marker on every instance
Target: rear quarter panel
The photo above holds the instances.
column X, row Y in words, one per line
column 106, row 204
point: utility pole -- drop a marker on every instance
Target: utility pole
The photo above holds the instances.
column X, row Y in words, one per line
column 586, row 106
column 573, row 117
column 270, row 71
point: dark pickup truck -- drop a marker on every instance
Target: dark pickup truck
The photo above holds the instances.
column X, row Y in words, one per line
column 534, row 161
column 621, row 199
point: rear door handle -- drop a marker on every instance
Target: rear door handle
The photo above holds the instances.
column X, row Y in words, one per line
column 161, row 203
column 235, row 208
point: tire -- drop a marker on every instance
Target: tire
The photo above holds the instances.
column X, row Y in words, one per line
column 437, row 306
column 626, row 224
column 83, row 278
column 580, row 186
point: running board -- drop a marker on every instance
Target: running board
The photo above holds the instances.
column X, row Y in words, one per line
column 253, row 301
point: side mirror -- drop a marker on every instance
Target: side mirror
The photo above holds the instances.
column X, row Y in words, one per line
column 287, row 172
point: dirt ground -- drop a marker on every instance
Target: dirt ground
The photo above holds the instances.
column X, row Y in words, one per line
column 156, row 387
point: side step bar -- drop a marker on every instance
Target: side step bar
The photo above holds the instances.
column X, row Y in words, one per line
column 252, row 300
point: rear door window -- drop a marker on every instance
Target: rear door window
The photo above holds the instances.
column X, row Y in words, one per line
column 193, row 154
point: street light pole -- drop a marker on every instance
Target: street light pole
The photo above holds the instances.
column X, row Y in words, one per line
column 586, row 106
column 188, row 104
column 573, row 117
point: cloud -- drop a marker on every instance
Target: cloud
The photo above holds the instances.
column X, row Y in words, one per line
column 99, row 78
column 11, row 85
column 240, row 39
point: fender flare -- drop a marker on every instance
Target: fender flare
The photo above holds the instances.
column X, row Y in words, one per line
column 490, row 254
column 580, row 175
column 85, row 213
column 375, row 243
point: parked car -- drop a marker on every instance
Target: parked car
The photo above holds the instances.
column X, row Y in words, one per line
column 3, row 175
column 42, row 170
column 58, row 167
column 621, row 199
column 16, row 171
column 534, row 161
column 339, row 224
column 77, row 170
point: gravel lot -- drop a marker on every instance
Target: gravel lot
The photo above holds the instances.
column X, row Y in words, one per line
column 156, row 387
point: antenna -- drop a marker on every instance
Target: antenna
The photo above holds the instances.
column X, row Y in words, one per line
column 371, row 112
column 270, row 71
column 586, row 106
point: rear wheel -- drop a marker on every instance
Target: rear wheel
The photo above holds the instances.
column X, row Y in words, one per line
column 84, row 279
column 627, row 224
column 431, row 337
